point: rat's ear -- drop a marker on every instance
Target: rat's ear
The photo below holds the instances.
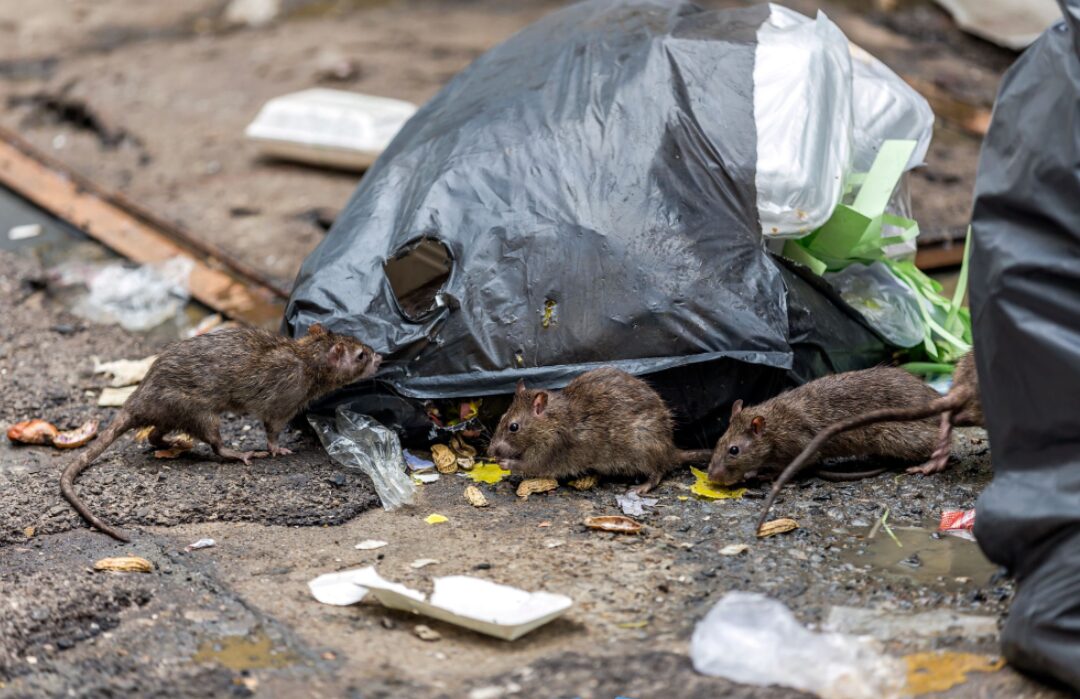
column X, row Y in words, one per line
column 736, row 407
column 540, row 403
column 520, row 386
column 316, row 330
column 758, row 425
column 336, row 355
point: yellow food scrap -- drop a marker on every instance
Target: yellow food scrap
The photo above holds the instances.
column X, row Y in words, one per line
column 444, row 458
column 530, row 486
column 939, row 671
column 486, row 472
column 585, row 482
column 551, row 307
column 705, row 489
column 435, row 518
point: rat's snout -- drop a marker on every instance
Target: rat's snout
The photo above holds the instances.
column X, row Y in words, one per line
column 376, row 361
column 720, row 474
column 499, row 450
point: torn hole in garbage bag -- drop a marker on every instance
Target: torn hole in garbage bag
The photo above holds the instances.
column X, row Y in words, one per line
column 418, row 272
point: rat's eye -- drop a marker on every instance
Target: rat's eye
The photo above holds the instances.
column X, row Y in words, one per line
column 514, row 427
column 734, row 450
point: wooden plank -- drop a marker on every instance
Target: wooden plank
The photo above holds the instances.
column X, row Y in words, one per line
column 63, row 195
column 939, row 256
column 973, row 119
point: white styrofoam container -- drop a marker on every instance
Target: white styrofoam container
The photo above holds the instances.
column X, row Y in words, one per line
column 329, row 127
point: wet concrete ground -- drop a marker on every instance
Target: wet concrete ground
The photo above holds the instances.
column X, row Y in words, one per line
column 238, row 618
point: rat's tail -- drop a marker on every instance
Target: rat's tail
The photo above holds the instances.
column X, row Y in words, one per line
column 693, row 456
column 121, row 424
column 952, row 401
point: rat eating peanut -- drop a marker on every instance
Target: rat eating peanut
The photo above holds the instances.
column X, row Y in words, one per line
column 240, row 370
column 605, row 421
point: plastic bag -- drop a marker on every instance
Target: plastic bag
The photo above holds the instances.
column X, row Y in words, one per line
column 585, row 194
column 358, row 442
column 137, row 298
column 889, row 306
column 822, row 108
column 752, row 639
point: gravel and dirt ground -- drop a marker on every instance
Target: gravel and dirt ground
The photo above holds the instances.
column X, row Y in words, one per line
column 151, row 99
column 238, row 618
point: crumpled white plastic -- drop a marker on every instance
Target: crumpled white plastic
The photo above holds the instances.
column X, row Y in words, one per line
column 753, row 639
column 822, row 107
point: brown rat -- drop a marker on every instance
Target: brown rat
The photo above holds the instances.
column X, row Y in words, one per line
column 240, row 370
column 605, row 421
column 764, row 437
column 960, row 407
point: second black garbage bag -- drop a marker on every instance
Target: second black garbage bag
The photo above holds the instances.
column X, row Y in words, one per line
column 587, row 194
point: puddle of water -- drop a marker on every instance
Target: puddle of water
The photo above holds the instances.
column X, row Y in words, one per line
column 251, row 652
column 922, row 558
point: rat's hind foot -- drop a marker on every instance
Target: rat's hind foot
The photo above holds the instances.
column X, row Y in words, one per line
column 245, row 456
column 275, row 450
column 937, row 463
column 648, row 485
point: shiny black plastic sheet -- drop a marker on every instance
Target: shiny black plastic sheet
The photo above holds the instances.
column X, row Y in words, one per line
column 1025, row 295
column 601, row 164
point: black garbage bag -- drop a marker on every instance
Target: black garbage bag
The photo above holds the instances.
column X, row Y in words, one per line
column 1025, row 296
column 581, row 195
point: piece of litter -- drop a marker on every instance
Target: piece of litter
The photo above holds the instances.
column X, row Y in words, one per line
column 531, row 486
column 423, row 563
column 124, row 372
column 543, row 524
column 114, row 397
column 585, row 482
column 777, row 526
column 890, row 625
column 734, row 549
column 426, row 476
column 337, row 588
column 201, row 544
column 461, row 447
column 475, row 497
column 633, row 624
column 125, row 564
column 436, row 519
column 633, row 504
column 426, row 633
column 939, row 671
column 832, row 665
column 682, row 498
column 24, row 232
column 207, row 324
column 958, row 523
column 488, row 473
column 328, row 127
column 32, row 432
column 465, row 463
column 473, row 603
column 613, row 523
column 80, row 436
column 29, row 532
column 369, row 544
column 415, row 463
column 445, row 461
column 181, row 444
column 703, row 488
column 553, row 543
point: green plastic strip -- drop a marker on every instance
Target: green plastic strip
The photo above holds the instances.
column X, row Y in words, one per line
column 854, row 234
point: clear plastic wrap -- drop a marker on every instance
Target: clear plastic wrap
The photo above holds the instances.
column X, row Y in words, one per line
column 358, row 442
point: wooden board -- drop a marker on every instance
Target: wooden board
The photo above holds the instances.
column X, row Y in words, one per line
column 63, row 194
